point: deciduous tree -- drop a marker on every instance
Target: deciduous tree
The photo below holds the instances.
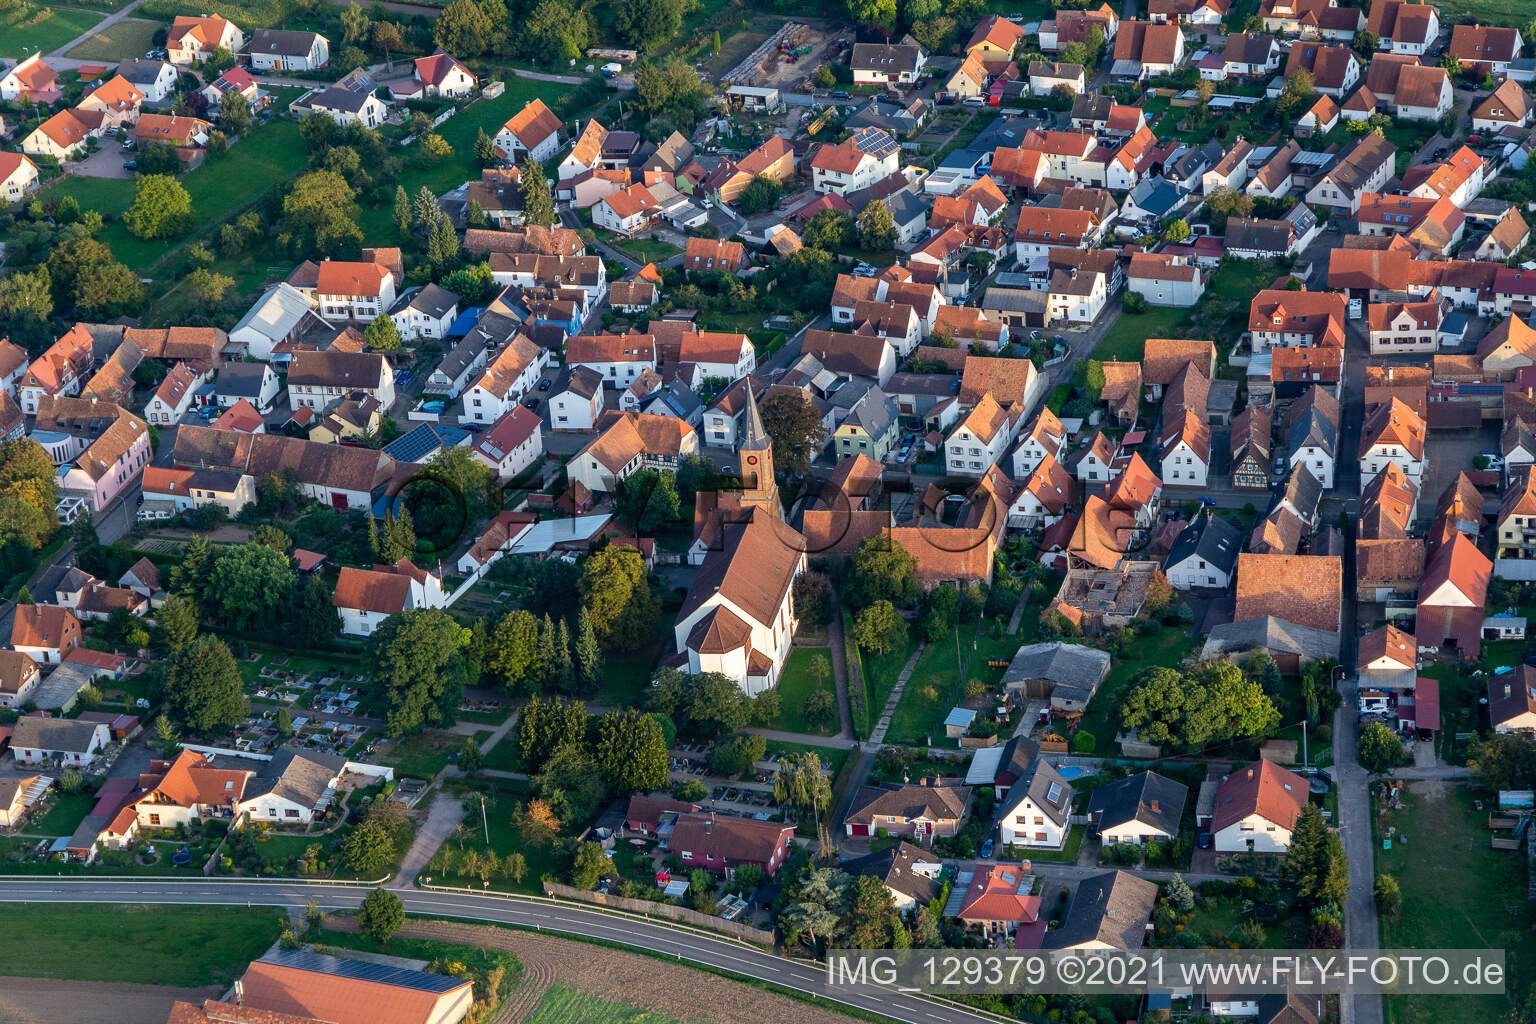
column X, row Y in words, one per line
column 631, row 751
column 382, row 914
column 618, row 596
column 203, row 689
column 419, row 661
column 795, row 428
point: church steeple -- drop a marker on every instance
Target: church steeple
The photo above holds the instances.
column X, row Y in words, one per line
column 758, row 487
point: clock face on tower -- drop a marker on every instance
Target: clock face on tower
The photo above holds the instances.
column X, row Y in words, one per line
column 751, row 460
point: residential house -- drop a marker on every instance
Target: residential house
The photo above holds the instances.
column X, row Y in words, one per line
column 193, row 40
column 617, row 358
column 628, row 211
column 70, row 742
column 718, row 354
column 1303, row 589
column 1403, row 27
column 1256, row 809
column 31, row 78
column 1067, row 675
column 909, row 874
column 1508, row 236
column 1044, row 436
column 346, row 107
column 18, row 177
column 1320, row 119
column 1404, row 326
column 1038, row 811
column 425, row 313
column 1485, row 49
column 117, row 100
column 100, row 448
column 1334, row 69
column 236, row 85
column 184, row 133
column 1452, row 595
column 45, row 633
column 513, row 444
column 442, row 75
column 1250, row 55
column 629, row 442
column 576, row 401
column 1364, row 167
column 533, row 133
column 64, row 135
column 367, row 597
column 1045, row 77
column 920, row 811
column 869, row 428
column 353, row 291
column 709, row 254
column 721, row 845
column 887, row 63
column 1001, row 901
column 275, row 49
column 1459, row 178
column 869, row 357
column 1276, row 176
column 1141, row 807
column 1108, row 911
column 317, row 380
column 1279, row 318
column 173, row 396
column 1205, row 554
column 1512, row 701
column 1508, row 106
column 1251, row 447
column 1312, row 19
column 869, row 156
column 994, row 38
column 1392, row 433
column 1144, row 49
column 19, row 677
column 982, row 437
column 1045, row 497
column 510, row 376
column 1165, row 280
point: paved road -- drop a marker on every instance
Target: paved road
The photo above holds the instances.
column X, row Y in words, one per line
column 655, row 938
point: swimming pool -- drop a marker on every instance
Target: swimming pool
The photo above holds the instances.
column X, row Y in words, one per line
column 1070, row 771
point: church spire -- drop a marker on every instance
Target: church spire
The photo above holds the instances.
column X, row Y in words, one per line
column 754, row 437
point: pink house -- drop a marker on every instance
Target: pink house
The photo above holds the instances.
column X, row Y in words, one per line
column 722, row 845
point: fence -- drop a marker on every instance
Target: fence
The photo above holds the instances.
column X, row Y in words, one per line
column 734, row 929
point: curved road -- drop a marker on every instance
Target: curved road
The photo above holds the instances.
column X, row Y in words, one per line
column 655, row 938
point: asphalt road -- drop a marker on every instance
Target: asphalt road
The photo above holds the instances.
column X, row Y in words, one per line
column 655, row 938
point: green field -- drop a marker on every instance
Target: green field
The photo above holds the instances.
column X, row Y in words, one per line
column 1125, row 338
column 42, row 28
column 927, row 699
column 64, row 816
column 1514, row 13
column 796, row 684
column 181, row 946
column 129, row 38
column 460, row 132
column 271, row 155
column 1458, row 893
column 563, row 1006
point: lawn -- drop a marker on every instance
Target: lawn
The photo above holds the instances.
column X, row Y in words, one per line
column 1066, row 855
column 167, row 945
column 43, row 28
column 460, row 132
column 641, row 249
column 880, row 672
column 563, row 1006
column 1166, row 647
column 1459, row 893
column 929, row 695
column 64, row 816
column 501, row 801
column 1124, row 339
column 504, row 756
column 425, row 754
column 129, row 38
column 271, row 155
column 797, row 683
column 626, row 679
column 1514, row 13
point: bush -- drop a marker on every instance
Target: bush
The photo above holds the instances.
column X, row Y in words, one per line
column 1083, row 742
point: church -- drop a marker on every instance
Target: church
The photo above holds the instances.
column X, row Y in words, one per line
column 739, row 618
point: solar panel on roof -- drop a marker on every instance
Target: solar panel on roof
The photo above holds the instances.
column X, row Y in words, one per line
column 362, row 970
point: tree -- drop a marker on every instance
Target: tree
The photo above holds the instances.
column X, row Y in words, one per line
column 1315, row 864
column 203, row 689
column 799, row 784
column 382, row 335
column 795, row 428
column 592, row 863
column 462, row 29
column 941, row 610
column 1389, row 896
column 737, row 754
column 570, row 784
column 588, row 653
column 382, row 914
column 538, row 204
column 1214, row 702
column 831, row 231
column 556, row 31
column 403, row 217
column 485, row 149
column 647, row 499
column 167, row 740
column 26, row 303
column 29, row 493
column 819, row 709
column 24, row 596
column 355, row 24
column 882, row 571
column 671, row 89
column 1381, row 749
column 1204, row 90
column 877, row 228
column 880, row 628
column 442, row 243
column 631, row 751
column 644, row 24
column 419, row 661
column 1504, row 761
column 283, row 722
column 706, row 705
column 177, row 620
column 471, row 760
column 254, row 585
column 760, row 196
column 1452, row 64
column 89, row 280
column 1177, row 231
column 1179, row 895
column 516, row 866
column 547, row 724
column 161, row 208
column 536, row 823
column 873, row 13
column 207, row 288
column 313, row 619
column 1298, row 91
column 1365, row 43
column 1225, row 202
column 512, row 647
column 870, row 920
column 320, row 215
column 616, row 593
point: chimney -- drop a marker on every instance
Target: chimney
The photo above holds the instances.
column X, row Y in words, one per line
column 1154, row 807
column 923, row 781
column 1250, row 773
column 1507, row 691
column 239, row 992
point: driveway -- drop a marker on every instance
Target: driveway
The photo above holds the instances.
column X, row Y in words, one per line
column 106, row 162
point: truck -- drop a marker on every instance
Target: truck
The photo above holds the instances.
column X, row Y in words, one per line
column 611, row 69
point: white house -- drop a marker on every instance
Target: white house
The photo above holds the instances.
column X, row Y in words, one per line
column 347, row 107
column 353, row 291
column 1256, row 809
column 627, row 211
column 617, row 358
column 869, row 156
column 442, row 75
column 577, row 400
column 719, row 354
column 980, row 440
column 275, row 49
column 254, row 382
column 292, row 787
column 1040, row 810
column 366, row 597
column 632, row 441
column 173, row 397
column 18, row 177
column 65, row 741
column 318, row 380
column 1045, row 436
column 425, row 313
column 533, row 133
column 1165, row 280
column 1143, row 807
column 155, row 79
column 192, row 39
column 512, row 444
column 513, row 374
column 282, row 314
column 1204, row 555
column 1393, row 433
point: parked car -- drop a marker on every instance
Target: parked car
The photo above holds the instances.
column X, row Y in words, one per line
column 1206, row 841
column 1494, row 460
column 986, row 849
column 546, row 384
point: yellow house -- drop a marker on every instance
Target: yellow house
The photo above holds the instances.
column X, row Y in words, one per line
column 356, row 416
column 869, row 429
column 995, row 38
